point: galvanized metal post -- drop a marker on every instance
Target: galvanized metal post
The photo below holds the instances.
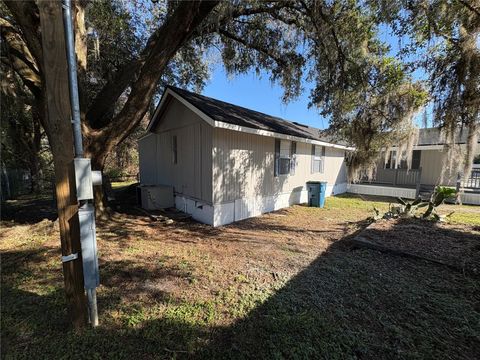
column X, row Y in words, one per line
column 92, row 306
column 72, row 77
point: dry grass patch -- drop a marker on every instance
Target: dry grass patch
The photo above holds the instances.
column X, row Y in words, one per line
column 280, row 285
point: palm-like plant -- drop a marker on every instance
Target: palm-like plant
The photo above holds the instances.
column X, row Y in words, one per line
column 410, row 208
column 438, row 197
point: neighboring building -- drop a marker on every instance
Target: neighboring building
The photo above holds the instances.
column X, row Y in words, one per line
column 392, row 178
column 225, row 163
column 222, row 163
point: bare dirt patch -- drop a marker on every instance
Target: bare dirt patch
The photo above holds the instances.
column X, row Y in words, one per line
column 453, row 244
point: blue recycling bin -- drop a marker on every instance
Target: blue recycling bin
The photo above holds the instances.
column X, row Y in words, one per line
column 316, row 193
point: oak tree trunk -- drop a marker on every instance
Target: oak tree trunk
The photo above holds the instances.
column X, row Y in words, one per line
column 102, row 208
column 140, row 76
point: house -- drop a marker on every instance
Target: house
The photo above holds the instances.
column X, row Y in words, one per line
column 222, row 163
column 392, row 178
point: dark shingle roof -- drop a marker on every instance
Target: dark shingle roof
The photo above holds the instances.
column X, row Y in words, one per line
column 237, row 115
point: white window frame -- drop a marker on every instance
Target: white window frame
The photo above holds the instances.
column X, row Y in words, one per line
column 318, row 156
column 285, row 154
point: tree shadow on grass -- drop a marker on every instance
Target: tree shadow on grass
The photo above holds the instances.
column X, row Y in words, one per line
column 346, row 304
column 34, row 318
column 27, row 335
column 363, row 304
column 29, row 210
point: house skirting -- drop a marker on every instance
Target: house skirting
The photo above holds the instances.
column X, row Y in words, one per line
column 468, row 198
column 380, row 190
column 239, row 209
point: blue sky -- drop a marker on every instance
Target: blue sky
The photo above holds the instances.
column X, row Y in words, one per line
column 259, row 94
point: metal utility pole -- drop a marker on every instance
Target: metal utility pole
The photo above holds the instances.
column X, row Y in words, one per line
column 72, row 78
column 58, row 124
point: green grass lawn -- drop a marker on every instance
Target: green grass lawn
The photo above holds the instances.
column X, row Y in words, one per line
column 122, row 184
column 460, row 214
column 284, row 285
column 464, row 214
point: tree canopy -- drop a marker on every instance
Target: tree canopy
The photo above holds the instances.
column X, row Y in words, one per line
column 443, row 41
column 127, row 51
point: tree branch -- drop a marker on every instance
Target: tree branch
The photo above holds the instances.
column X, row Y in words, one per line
column 469, row 7
column 331, row 26
column 258, row 48
column 240, row 12
column 15, row 42
column 105, row 100
column 107, row 97
column 111, row 91
column 26, row 16
column 176, row 30
column 20, row 58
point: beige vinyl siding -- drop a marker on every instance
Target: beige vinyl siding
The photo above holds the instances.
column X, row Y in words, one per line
column 192, row 174
column 176, row 116
column 431, row 162
column 243, row 167
column 147, row 148
column 431, row 165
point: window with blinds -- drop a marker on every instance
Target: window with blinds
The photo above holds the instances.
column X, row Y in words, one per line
column 285, row 151
column 318, row 158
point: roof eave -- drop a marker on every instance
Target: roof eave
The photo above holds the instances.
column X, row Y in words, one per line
column 228, row 126
column 164, row 101
column 224, row 125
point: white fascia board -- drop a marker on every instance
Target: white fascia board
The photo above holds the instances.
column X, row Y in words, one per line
column 434, row 147
column 197, row 111
column 421, row 147
column 157, row 110
column 202, row 115
column 222, row 125
column 428, row 147
column 144, row 136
